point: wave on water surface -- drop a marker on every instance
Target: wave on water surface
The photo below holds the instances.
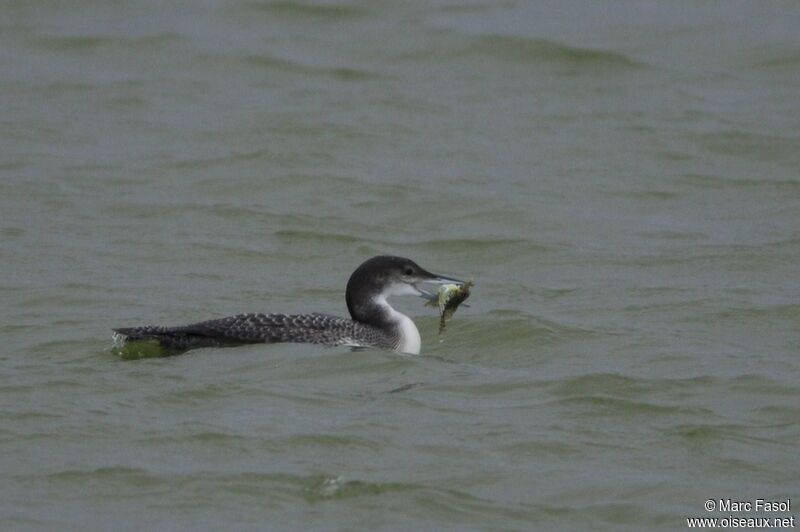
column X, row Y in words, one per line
column 317, row 10
column 525, row 50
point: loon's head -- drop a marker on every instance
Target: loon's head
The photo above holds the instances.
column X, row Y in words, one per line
column 381, row 277
column 384, row 276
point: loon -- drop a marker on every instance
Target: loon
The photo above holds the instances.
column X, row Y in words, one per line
column 373, row 323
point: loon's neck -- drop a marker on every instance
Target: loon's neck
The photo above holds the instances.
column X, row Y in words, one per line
column 381, row 314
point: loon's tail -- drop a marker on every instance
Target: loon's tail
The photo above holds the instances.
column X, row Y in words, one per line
column 172, row 338
column 148, row 332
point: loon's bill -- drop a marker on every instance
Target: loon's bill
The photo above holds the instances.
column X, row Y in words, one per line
column 373, row 322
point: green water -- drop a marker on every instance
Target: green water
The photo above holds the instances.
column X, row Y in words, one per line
column 621, row 179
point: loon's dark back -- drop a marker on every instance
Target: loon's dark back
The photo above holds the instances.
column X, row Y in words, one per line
column 261, row 328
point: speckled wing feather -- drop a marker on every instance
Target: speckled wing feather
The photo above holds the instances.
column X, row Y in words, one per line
column 248, row 328
column 263, row 328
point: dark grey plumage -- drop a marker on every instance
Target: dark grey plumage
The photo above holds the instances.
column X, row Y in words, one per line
column 265, row 328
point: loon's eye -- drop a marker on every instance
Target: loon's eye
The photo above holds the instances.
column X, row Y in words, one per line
column 408, row 270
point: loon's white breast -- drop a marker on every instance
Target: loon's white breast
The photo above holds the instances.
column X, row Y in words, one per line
column 409, row 340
